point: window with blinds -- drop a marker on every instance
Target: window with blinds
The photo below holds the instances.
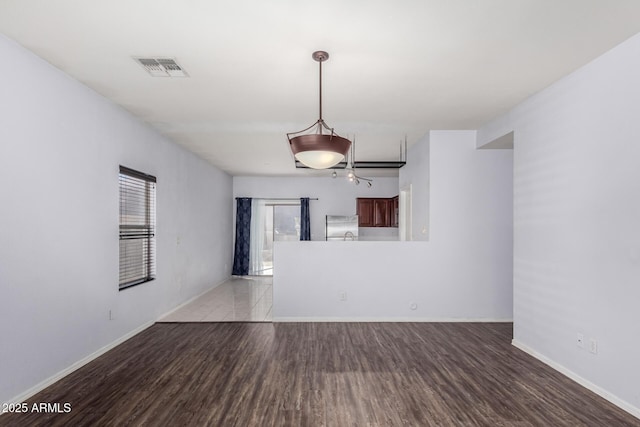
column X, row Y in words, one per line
column 137, row 227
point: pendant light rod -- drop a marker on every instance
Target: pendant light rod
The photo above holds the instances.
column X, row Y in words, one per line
column 320, row 96
column 320, row 56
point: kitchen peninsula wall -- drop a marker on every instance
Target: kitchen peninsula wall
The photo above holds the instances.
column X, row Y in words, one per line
column 335, row 197
column 463, row 272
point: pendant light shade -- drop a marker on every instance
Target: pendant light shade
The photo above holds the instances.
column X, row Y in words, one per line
column 318, row 146
column 320, row 151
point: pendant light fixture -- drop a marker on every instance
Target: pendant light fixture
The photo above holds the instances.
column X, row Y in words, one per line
column 318, row 146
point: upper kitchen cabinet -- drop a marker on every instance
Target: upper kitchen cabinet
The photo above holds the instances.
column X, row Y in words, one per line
column 395, row 210
column 377, row 212
column 364, row 210
column 381, row 217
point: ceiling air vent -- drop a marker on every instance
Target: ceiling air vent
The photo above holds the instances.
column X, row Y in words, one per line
column 162, row 67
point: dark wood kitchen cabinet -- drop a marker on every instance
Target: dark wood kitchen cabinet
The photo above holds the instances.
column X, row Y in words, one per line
column 364, row 210
column 376, row 212
column 381, row 217
column 395, row 210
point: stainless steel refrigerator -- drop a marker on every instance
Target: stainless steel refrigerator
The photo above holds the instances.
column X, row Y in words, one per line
column 339, row 227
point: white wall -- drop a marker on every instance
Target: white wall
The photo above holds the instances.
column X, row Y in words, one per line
column 463, row 273
column 60, row 148
column 335, row 196
column 576, row 220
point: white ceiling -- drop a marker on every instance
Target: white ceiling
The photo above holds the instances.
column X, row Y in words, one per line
column 396, row 68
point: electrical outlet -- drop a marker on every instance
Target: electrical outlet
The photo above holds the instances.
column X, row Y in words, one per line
column 343, row 296
column 580, row 340
column 593, row 346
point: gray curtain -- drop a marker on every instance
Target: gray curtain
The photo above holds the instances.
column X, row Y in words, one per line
column 243, row 237
column 305, row 222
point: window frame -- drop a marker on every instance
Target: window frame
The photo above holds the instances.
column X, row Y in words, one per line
column 145, row 232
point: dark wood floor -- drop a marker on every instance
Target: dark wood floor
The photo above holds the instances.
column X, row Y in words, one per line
column 315, row 374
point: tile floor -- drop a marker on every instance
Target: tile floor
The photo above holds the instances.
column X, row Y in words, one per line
column 239, row 299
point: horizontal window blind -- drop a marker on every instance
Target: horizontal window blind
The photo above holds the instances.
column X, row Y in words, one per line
column 137, row 227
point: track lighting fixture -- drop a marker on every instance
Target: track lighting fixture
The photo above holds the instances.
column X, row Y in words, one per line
column 351, row 172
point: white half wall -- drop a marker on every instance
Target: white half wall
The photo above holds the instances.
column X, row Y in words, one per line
column 463, row 273
column 335, row 196
column 577, row 222
column 61, row 145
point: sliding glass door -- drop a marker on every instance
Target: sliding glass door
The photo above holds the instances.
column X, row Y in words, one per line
column 275, row 223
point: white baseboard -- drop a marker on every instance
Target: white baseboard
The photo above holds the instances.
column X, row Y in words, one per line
column 390, row 319
column 190, row 300
column 58, row 376
column 622, row 404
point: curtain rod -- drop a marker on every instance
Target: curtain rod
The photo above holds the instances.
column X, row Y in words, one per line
column 276, row 198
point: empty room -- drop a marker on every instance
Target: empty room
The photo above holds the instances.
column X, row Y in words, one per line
column 295, row 213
